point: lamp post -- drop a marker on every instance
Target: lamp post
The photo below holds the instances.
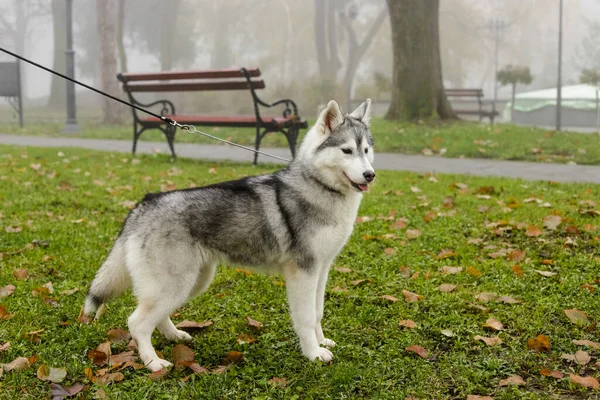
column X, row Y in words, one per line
column 559, row 83
column 71, row 125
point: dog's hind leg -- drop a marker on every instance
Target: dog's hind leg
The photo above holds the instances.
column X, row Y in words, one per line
column 166, row 326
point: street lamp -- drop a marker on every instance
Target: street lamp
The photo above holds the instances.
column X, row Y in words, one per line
column 71, row 125
column 559, row 84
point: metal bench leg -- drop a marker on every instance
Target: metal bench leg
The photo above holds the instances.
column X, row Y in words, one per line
column 257, row 144
column 292, row 138
column 136, row 135
column 170, row 134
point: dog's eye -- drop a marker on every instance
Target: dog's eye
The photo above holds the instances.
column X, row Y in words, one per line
column 366, row 150
column 347, row 151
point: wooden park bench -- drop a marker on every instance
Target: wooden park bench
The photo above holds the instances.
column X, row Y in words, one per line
column 471, row 94
column 289, row 123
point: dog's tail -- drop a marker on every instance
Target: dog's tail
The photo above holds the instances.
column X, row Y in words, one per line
column 111, row 280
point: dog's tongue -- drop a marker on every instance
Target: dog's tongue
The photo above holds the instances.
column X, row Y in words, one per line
column 364, row 188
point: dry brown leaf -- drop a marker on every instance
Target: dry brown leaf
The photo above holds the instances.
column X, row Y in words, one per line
column 582, row 357
column 186, row 324
column 7, row 290
column 360, row 220
column 586, row 381
column 594, row 345
column 359, row 281
column 516, row 255
column 533, row 231
column 413, row 233
column 118, row 336
column 551, row 222
column 540, row 343
column 447, row 287
column 493, row 324
column 390, row 251
column 4, row 346
column 577, row 316
column 547, row 274
column 20, row 274
column 486, row 297
column 475, row 397
column 420, row 351
column 278, row 382
column 451, row 270
column 389, row 298
column 552, row 373
column 512, row 380
column 233, row 357
column 245, row 339
column 400, row 223
column 254, row 323
column 158, row 375
column 490, row 341
column 182, row 356
column 473, row 271
column 411, row 297
column 10, row 229
column 46, row 373
column 18, row 364
column 446, row 253
column 408, row 323
column 59, row 392
column 507, row 300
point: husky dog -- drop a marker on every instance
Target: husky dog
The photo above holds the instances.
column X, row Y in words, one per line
column 294, row 221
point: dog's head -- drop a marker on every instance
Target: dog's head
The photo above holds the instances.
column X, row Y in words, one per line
column 339, row 148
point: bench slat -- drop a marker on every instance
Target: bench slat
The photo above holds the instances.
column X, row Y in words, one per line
column 195, row 74
column 193, row 86
column 230, row 121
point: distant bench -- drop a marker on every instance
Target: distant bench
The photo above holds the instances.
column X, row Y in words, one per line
column 289, row 123
column 473, row 94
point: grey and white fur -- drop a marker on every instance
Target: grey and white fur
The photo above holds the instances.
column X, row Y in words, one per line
column 294, row 222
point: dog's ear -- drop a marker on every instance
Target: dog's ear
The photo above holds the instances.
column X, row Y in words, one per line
column 363, row 112
column 330, row 118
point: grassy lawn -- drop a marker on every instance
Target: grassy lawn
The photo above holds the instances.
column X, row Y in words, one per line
column 460, row 139
column 417, row 232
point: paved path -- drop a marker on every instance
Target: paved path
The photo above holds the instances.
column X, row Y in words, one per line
column 399, row 162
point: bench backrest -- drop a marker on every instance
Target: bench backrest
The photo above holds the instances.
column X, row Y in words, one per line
column 464, row 92
column 198, row 80
column 9, row 79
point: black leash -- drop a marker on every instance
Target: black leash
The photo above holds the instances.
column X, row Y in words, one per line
column 187, row 128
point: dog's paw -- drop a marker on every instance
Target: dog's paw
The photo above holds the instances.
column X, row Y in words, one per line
column 327, row 343
column 179, row 336
column 320, row 354
column 157, row 364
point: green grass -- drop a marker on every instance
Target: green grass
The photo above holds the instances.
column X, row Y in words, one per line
column 77, row 202
column 459, row 139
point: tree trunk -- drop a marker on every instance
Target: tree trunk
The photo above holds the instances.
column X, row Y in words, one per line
column 107, row 58
column 512, row 104
column 21, row 39
column 121, row 36
column 417, row 86
column 58, row 88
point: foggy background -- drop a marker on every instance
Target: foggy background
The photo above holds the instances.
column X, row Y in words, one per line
column 279, row 36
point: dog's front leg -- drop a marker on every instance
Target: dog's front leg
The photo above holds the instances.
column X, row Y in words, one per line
column 320, row 305
column 301, row 285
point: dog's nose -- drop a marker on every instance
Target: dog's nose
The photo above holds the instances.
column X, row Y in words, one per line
column 369, row 176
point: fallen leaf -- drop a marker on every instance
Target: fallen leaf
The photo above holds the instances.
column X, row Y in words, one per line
column 493, row 324
column 232, row 358
column 389, row 251
column 447, row 287
column 593, row 345
column 411, row 297
column 507, row 300
column 417, row 350
column 447, row 332
column 10, row 229
column 278, row 382
column 490, row 341
column 4, row 313
column 517, row 270
column 475, row 397
column 360, row 220
column 244, row 271
column 512, row 380
column 486, row 297
column 59, row 392
column 118, row 336
column 540, row 343
column 186, row 324
column 413, row 233
column 576, row 316
column 547, row 274
column 7, row 290
column 359, row 281
column 451, row 270
column 582, row 357
column 415, row 189
column 408, row 323
column 473, row 271
column 586, row 381
column 158, row 375
column 18, row 364
column 4, row 346
column 446, row 253
column 533, row 231
column 400, row 223
column 551, row 222
column 245, row 339
column 389, row 298
column 101, row 354
column 20, row 274
column 254, row 323
column 552, row 373
column 46, row 373
column 516, row 255
column 182, row 356
column 121, row 358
